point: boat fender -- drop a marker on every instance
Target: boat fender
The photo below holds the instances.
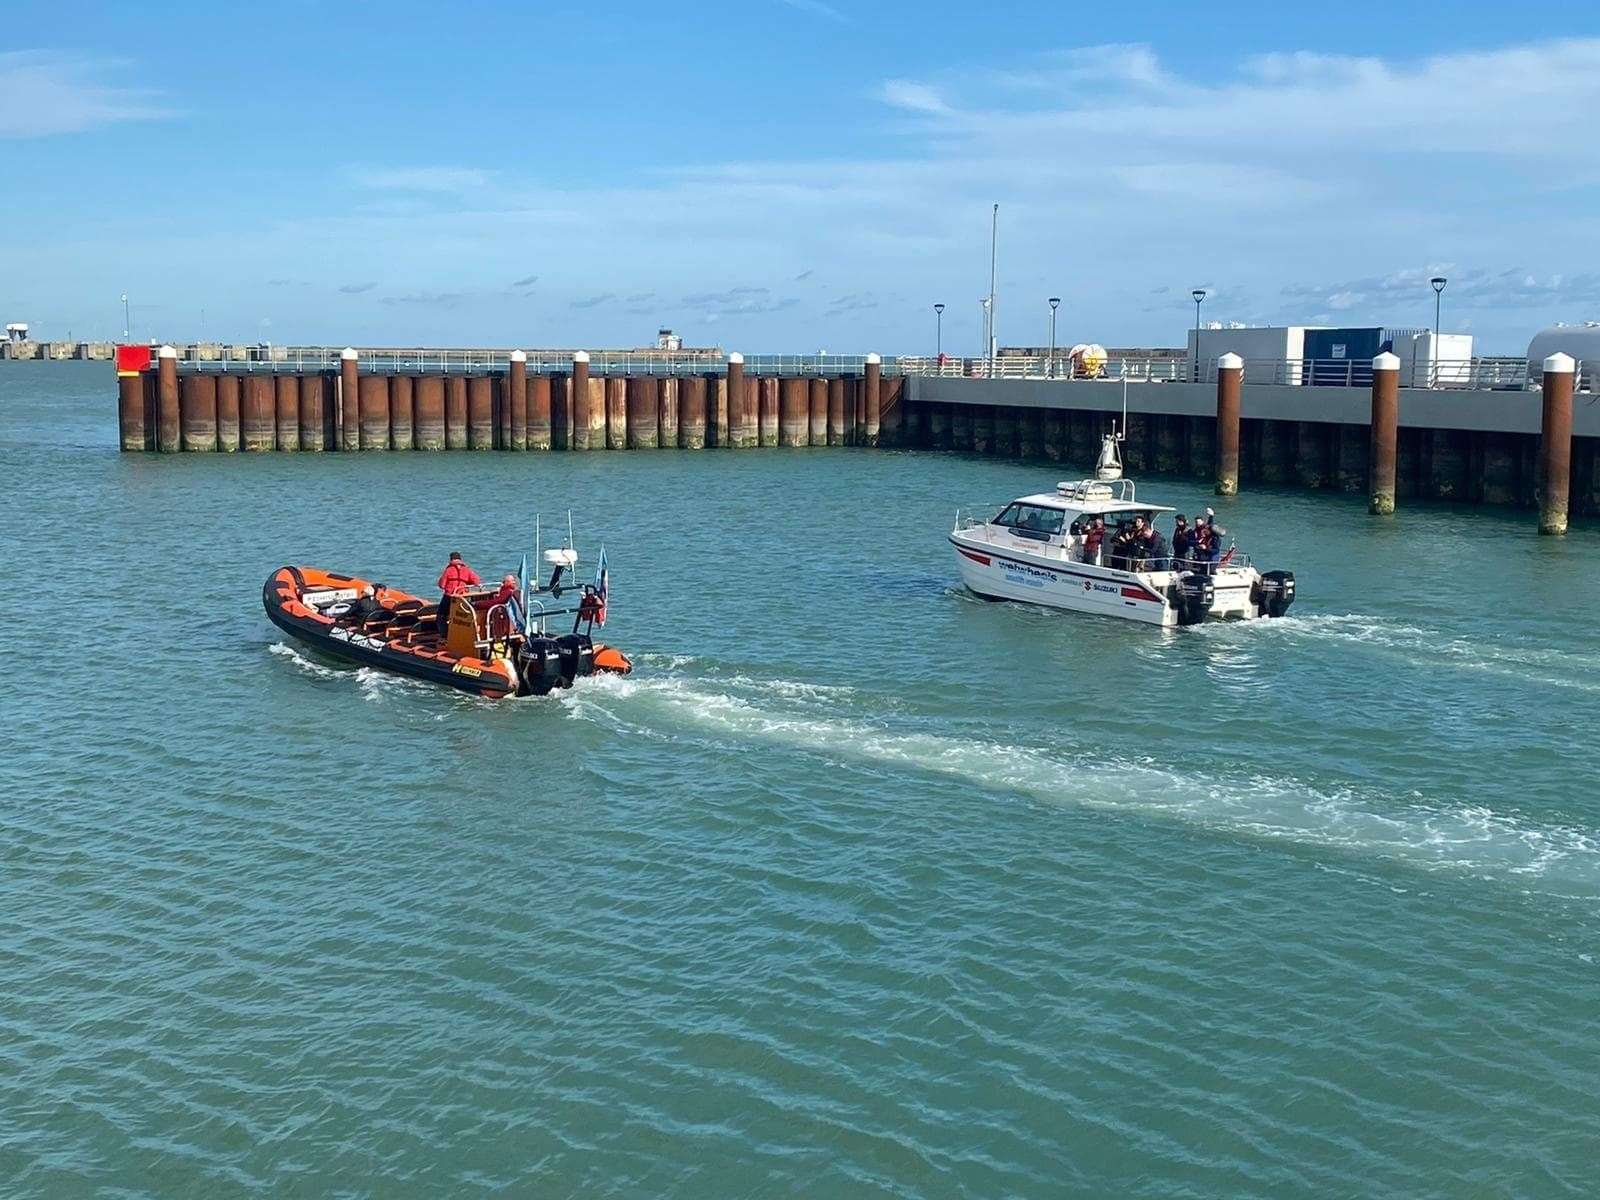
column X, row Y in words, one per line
column 1277, row 592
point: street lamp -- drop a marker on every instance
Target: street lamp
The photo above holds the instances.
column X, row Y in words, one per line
column 994, row 243
column 938, row 330
column 1437, row 282
column 1055, row 303
column 1199, row 294
column 988, row 342
column 126, row 323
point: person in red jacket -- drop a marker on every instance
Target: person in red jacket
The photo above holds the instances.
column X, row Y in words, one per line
column 456, row 578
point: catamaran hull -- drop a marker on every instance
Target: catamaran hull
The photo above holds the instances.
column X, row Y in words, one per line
column 1083, row 587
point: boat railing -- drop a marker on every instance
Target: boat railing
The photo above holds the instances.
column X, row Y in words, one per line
column 974, row 516
column 969, row 518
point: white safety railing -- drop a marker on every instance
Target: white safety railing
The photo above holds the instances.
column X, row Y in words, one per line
column 1146, row 369
column 299, row 360
column 1468, row 374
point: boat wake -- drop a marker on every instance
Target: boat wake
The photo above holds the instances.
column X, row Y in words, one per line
column 375, row 686
column 1540, row 665
column 731, row 712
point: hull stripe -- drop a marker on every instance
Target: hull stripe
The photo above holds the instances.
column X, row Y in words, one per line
column 1129, row 590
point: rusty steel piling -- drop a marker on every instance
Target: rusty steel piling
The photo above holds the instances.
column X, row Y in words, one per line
column 1230, row 378
column 517, row 401
column 1555, row 443
column 197, row 403
column 1382, row 453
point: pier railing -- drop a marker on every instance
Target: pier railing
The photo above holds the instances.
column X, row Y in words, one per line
column 1472, row 374
column 302, row 360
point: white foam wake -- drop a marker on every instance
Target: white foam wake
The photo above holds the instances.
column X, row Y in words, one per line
column 374, row 685
column 1433, row 834
column 1424, row 647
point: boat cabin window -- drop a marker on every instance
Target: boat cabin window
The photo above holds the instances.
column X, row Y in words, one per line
column 1031, row 520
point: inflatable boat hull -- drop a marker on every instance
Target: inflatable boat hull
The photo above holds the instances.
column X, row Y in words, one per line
column 325, row 610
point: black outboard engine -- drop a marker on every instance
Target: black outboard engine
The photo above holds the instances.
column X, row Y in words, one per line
column 576, row 652
column 1277, row 593
column 1192, row 595
column 539, row 665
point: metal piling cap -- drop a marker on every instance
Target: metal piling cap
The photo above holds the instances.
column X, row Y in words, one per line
column 348, row 353
column 172, row 352
column 735, row 357
column 520, row 356
column 580, row 356
column 1230, row 362
column 1560, row 364
column 1386, row 362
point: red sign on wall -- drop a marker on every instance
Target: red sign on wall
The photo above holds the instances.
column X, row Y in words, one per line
column 132, row 359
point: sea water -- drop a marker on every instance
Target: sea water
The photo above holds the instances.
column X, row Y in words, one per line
column 858, row 886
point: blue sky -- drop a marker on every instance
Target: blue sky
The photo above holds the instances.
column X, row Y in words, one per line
column 793, row 175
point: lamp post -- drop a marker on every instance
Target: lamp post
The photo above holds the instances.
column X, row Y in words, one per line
column 938, row 330
column 1199, row 294
column 1055, row 303
column 127, row 324
column 994, row 242
column 1437, row 283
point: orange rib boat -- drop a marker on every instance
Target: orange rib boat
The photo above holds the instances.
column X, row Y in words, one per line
column 487, row 649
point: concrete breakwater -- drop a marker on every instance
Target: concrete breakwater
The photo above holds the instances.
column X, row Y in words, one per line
column 357, row 408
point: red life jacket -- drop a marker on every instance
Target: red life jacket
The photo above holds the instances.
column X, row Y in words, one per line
column 457, row 578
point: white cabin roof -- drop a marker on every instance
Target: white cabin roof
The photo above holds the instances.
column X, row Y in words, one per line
column 1091, row 498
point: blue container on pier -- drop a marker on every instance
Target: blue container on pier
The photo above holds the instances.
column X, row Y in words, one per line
column 1340, row 357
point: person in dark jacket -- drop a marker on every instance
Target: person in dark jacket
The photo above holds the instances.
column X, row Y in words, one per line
column 1182, row 541
column 1154, row 549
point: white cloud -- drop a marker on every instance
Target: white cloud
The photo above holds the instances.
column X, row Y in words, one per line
column 818, row 8
column 43, row 93
column 912, row 97
column 422, row 179
column 1289, row 185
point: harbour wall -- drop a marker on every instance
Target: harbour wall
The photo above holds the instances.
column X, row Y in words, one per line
column 166, row 408
column 1477, row 446
column 1472, row 446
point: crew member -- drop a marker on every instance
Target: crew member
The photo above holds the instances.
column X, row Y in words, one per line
column 1153, row 547
column 1091, row 540
column 456, row 578
column 1213, row 545
column 1124, row 546
column 1206, row 548
column 507, row 599
column 1182, row 542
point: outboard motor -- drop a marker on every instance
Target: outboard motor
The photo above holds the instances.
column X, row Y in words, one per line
column 539, row 665
column 1192, row 595
column 576, row 652
column 1277, row 593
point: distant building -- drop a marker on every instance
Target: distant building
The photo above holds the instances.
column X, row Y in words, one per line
column 17, row 344
column 667, row 340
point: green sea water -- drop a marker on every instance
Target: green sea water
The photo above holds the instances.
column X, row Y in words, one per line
column 857, row 887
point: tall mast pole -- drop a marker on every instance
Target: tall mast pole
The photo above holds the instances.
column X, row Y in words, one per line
column 994, row 242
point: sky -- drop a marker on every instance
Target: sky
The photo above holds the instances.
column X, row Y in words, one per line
column 787, row 176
